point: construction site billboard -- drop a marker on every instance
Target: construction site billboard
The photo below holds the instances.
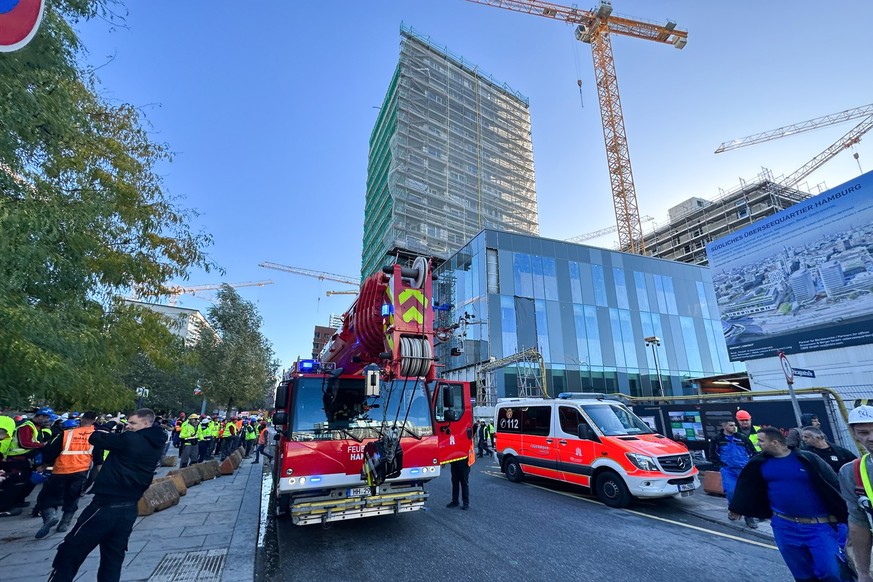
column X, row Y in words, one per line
column 800, row 280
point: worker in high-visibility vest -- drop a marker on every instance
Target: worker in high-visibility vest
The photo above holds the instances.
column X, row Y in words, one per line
column 228, row 438
column 747, row 429
column 7, row 427
column 189, row 443
column 69, row 472
column 250, row 434
column 24, row 446
column 206, row 434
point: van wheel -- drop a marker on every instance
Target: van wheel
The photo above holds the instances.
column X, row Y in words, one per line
column 512, row 470
column 611, row 490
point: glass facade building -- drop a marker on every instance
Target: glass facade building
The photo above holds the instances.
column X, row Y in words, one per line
column 588, row 311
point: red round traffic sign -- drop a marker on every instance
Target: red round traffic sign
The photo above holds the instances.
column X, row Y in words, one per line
column 19, row 20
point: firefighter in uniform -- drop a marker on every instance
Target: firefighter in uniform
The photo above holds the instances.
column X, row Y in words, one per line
column 189, row 444
column 68, row 475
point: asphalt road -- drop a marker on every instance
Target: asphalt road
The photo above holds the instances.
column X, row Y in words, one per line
column 533, row 531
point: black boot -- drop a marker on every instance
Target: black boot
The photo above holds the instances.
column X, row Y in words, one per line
column 49, row 520
column 66, row 520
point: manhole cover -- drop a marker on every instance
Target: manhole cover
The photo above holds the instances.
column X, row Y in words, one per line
column 198, row 566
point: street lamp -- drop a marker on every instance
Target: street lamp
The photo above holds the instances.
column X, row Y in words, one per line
column 653, row 342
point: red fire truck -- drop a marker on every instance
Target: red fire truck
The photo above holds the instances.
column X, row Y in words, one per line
column 362, row 429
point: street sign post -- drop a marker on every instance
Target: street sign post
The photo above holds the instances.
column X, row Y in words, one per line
column 19, row 21
column 789, row 378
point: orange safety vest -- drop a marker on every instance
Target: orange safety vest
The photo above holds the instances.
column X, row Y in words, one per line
column 75, row 455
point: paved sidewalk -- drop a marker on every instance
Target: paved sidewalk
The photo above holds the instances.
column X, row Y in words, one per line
column 213, row 529
column 713, row 508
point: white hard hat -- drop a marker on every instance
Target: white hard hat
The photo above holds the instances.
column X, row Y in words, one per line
column 861, row 415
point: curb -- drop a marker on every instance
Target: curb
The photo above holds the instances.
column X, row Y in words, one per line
column 240, row 564
column 731, row 525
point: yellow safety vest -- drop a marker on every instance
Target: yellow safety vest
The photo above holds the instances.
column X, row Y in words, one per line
column 15, row 449
column 187, row 431
column 754, row 437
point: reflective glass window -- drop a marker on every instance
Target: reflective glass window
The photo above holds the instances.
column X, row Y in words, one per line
column 620, row 289
column 507, row 324
column 523, row 276
column 542, row 330
column 659, row 291
column 537, row 270
column 550, row 278
column 581, row 335
column 618, row 346
column 627, row 336
column 599, row 285
column 692, row 350
column 642, row 294
column 575, row 282
column 672, row 308
column 592, row 332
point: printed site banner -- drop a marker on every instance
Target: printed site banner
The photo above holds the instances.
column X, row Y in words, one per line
column 800, row 280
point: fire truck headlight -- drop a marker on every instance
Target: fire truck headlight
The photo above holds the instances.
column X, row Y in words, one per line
column 302, row 480
column 292, row 480
column 642, row 462
column 289, row 471
column 436, row 462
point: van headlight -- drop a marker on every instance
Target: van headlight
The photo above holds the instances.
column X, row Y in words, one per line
column 642, row 462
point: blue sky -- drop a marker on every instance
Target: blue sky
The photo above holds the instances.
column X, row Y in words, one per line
column 269, row 110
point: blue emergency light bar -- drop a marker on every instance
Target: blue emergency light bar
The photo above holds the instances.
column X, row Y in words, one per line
column 307, row 366
column 387, row 309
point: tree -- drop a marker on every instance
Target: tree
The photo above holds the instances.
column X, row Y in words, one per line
column 84, row 215
column 236, row 360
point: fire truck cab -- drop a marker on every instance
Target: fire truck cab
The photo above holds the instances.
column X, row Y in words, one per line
column 587, row 440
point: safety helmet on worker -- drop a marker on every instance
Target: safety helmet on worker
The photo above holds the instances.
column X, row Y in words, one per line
column 861, row 415
column 44, row 411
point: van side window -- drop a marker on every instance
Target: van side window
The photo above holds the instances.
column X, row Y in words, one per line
column 509, row 420
column 536, row 420
column 570, row 419
column 449, row 406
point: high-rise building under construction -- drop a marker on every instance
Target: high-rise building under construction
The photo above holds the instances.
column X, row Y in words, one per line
column 450, row 154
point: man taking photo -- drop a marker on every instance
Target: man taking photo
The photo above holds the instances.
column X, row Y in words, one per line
column 127, row 472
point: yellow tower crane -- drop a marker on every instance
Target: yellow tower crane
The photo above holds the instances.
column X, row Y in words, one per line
column 594, row 27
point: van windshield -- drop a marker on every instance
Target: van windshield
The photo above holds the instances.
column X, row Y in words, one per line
column 613, row 420
column 336, row 409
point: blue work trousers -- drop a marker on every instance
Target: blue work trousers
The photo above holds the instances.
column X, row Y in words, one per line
column 810, row 550
column 729, row 481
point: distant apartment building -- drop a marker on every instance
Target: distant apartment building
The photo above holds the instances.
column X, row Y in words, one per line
column 450, row 154
column 320, row 337
column 187, row 323
column 697, row 221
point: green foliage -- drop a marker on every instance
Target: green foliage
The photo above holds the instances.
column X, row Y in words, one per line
column 785, row 308
column 84, row 216
column 236, row 360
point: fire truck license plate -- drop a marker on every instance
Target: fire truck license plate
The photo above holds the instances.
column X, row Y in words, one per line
column 686, row 487
column 359, row 492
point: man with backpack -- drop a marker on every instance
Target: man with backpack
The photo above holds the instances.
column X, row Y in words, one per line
column 856, row 486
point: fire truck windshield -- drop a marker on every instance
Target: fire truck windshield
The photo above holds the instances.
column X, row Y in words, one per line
column 334, row 409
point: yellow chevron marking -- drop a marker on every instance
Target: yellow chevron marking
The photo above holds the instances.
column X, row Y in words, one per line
column 413, row 313
column 419, row 296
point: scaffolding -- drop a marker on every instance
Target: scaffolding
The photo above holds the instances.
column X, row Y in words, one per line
column 531, row 372
column 697, row 222
column 450, row 154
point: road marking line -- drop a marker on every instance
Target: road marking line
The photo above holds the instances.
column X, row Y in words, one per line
column 655, row 517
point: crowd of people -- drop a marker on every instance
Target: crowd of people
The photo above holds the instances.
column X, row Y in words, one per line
column 816, row 494
column 200, row 439
column 112, row 456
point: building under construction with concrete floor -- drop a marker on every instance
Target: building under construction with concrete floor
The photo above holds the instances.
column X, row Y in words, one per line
column 450, row 154
column 697, row 221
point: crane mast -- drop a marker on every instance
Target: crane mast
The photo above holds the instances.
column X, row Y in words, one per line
column 594, row 27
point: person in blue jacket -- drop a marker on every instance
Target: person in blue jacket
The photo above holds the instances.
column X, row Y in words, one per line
column 730, row 451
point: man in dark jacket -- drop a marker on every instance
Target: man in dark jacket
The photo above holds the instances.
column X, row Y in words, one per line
column 800, row 493
column 108, row 520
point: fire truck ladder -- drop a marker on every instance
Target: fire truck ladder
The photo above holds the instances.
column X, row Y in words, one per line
column 529, row 383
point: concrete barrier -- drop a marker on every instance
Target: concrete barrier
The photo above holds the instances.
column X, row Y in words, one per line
column 189, row 474
column 178, row 480
column 208, row 470
column 169, row 461
column 160, row 495
column 235, row 458
column 227, row 467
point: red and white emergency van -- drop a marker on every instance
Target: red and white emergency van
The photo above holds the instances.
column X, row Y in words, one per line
column 594, row 442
